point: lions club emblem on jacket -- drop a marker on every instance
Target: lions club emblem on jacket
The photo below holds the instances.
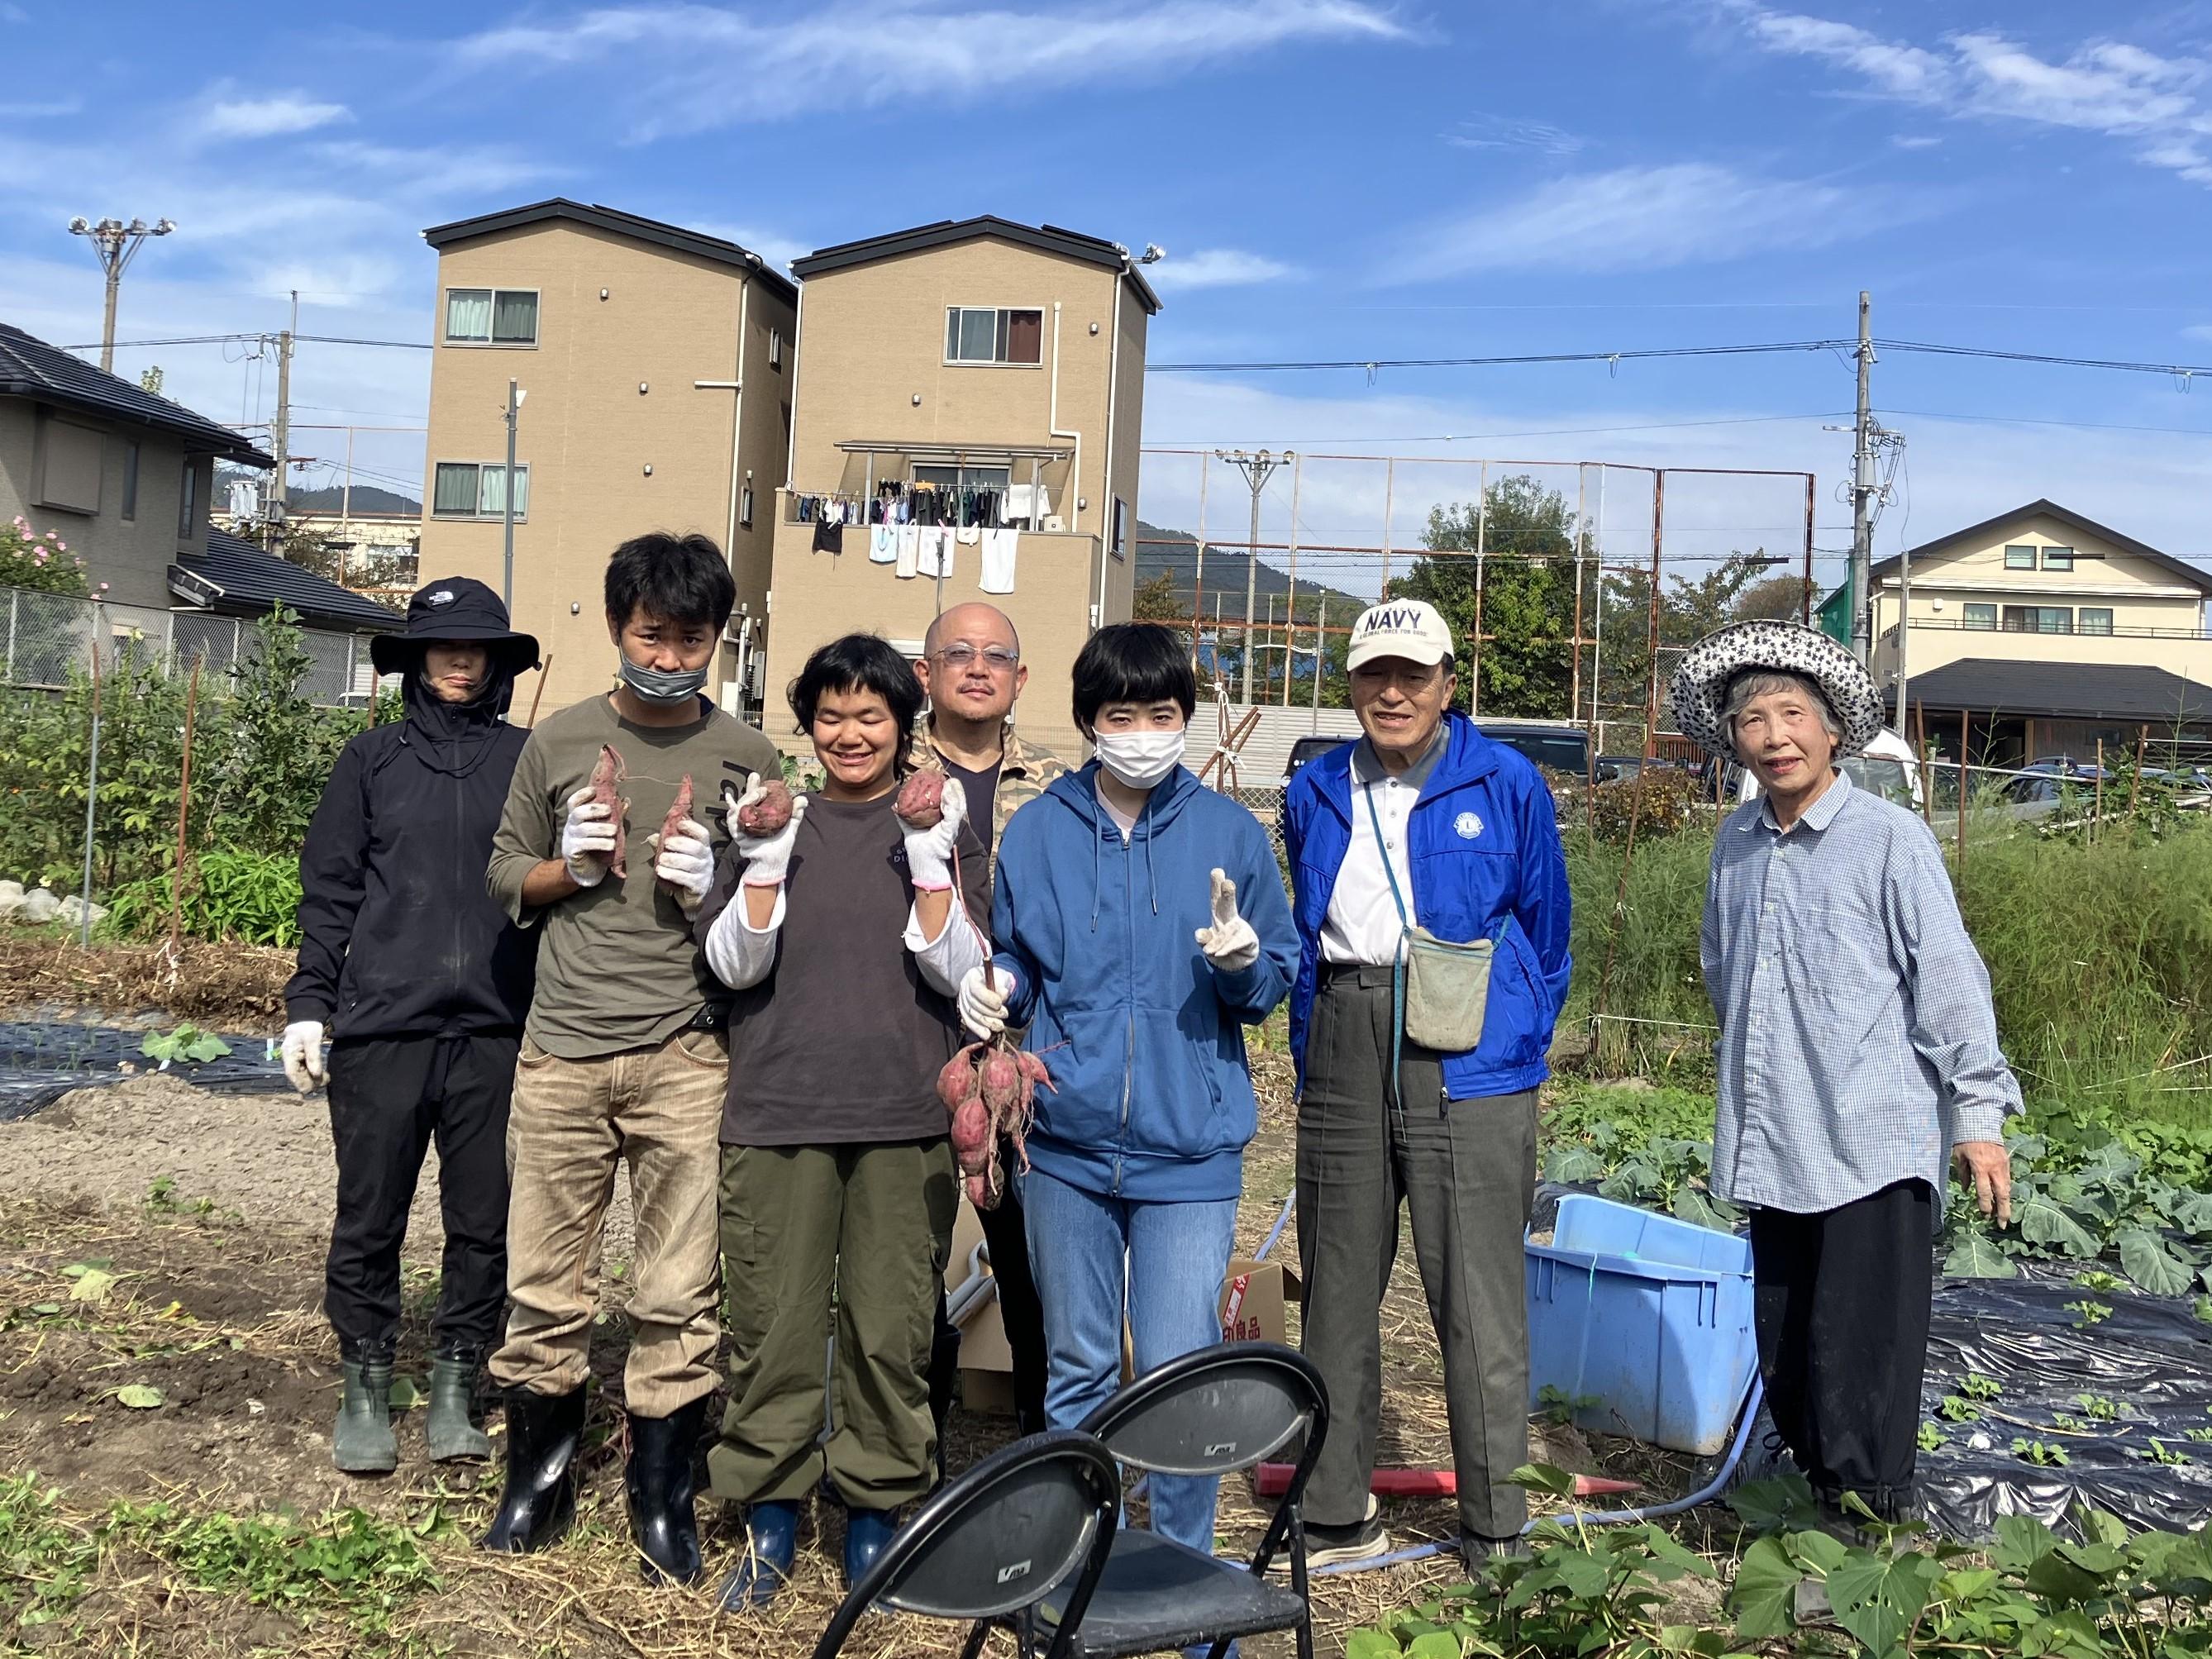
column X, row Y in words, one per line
column 1468, row 825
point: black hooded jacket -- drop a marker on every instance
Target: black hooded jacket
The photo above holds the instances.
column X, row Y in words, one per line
column 398, row 936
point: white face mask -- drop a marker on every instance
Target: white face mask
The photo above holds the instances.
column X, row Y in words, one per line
column 1139, row 759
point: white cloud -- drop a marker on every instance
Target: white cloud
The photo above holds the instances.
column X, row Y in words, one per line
column 1215, row 267
column 44, row 112
column 1503, row 132
column 1914, row 140
column 2105, row 87
column 1639, row 219
column 269, row 118
column 2197, row 332
column 687, row 68
column 773, row 245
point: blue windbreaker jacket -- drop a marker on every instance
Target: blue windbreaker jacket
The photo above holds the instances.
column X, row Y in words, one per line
column 1144, row 1038
column 1487, row 864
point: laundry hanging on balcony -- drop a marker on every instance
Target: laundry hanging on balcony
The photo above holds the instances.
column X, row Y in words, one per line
column 999, row 549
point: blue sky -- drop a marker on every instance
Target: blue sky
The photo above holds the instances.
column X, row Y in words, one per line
column 1331, row 178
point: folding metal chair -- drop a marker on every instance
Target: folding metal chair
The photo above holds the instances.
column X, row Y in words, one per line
column 992, row 1543
column 1215, row 1411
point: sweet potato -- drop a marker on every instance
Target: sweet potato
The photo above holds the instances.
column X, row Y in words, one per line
column 1001, row 1079
column 957, row 1082
column 921, row 803
column 982, row 1193
column 768, row 815
column 605, row 776
column 971, row 1135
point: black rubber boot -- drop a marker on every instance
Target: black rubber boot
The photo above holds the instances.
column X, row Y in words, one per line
column 363, row 1441
column 663, row 1523
column 544, row 1433
column 452, row 1428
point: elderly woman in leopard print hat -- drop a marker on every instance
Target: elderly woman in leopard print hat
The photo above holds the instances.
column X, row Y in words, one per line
column 1858, row 1055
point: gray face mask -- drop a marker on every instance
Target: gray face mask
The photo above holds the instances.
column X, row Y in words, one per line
column 657, row 685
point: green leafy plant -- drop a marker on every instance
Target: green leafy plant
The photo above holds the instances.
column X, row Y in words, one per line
column 2087, row 1314
column 2043, row 1454
column 1558, row 1408
column 2160, row 1452
column 2097, row 1409
column 1929, row 1437
column 187, row 1042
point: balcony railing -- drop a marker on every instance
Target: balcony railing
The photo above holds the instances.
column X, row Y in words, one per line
column 1947, row 625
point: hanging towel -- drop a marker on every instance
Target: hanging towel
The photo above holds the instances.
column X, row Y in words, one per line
column 909, row 546
column 829, row 536
column 968, row 534
column 883, row 545
column 936, row 554
column 999, row 549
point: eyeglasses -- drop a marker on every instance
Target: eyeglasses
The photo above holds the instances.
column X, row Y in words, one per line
column 996, row 658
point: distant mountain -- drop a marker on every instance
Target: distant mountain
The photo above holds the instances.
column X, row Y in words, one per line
column 1174, row 554
column 366, row 498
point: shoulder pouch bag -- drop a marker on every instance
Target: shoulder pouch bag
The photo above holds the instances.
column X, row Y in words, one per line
column 1441, row 988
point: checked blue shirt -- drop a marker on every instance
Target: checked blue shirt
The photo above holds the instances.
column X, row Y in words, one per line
column 1858, row 1043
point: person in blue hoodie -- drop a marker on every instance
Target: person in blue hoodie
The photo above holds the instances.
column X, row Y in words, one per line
column 1424, row 823
column 1141, row 925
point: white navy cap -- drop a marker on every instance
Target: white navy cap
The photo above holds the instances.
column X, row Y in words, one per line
column 1412, row 629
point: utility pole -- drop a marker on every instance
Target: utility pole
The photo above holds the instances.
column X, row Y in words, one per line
column 281, row 433
column 514, row 397
column 1863, row 492
column 114, row 244
column 1257, row 469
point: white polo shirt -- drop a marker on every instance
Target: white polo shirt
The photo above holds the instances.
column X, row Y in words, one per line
column 1362, row 926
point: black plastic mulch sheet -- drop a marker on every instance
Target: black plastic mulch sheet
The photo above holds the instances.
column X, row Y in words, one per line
column 41, row 1060
column 2151, row 1357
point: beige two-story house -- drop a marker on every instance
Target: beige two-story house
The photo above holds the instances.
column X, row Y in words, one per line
column 123, row 474
column 979, row 377
column 2048, row 632
column 655, row 366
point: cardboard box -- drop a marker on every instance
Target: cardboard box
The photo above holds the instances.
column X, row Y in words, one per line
column 1253, row 1308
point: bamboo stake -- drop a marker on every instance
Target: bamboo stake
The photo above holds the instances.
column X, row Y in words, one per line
column 2135, row 784
column 91, row 785
column 1927, row 782
column 1965, row 719
column 2097, row 803
column 544, row 669
column 183, row 811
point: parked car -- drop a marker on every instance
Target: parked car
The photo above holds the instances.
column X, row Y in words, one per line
column 1305, row 752
column 1555, row 746
column 2051, row 779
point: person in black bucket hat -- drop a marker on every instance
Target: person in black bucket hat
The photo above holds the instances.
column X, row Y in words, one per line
column 422, row 984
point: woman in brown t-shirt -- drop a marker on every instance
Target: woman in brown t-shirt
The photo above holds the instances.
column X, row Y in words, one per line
column 845, row 940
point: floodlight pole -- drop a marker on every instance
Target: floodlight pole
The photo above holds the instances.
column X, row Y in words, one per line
column 1257, row 469
column 113, row 244
column 514, row 397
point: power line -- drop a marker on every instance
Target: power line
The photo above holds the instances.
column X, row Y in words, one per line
column 1371, row 364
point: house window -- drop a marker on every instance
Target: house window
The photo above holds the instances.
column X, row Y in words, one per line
column 776, row 348
column 491, row 316
column 188, row 503
column 130, row 481
column 2097, row 620
column 2019, row 558
column 964, row 477
column 981, row 335
column 2038, row 619
column 473, row 489
column 745, row 506
column 1982, row 616
column 70, row 460
column 1120, row 543
column 2058, row 558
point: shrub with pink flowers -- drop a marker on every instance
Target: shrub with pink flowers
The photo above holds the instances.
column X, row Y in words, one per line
column 40, row 560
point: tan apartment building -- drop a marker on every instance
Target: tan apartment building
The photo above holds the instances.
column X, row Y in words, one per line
column 656, row 366
column 122, row 474
column 2048, row 630
column 985, row 378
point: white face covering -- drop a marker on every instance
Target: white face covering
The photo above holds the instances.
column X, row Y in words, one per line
column 1139, row 759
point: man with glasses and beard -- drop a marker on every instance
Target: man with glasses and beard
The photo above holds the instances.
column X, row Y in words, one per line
column 972, row 668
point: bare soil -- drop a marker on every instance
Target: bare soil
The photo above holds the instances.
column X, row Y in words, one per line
column 215, row 1301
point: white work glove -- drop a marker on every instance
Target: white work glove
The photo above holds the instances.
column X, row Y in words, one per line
column 686, row 862
column 929, row 852
column 1230, row 944
column 587, row 839
column 768, row 857
column 303, row 1054
column 983, row 1007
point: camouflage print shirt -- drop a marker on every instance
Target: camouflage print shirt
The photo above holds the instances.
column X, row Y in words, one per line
column 1024, row 772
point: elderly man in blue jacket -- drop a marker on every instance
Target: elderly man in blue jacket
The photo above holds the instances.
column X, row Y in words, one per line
column 1422, row 836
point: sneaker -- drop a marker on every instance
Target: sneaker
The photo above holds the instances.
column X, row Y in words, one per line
column 1474, row 1549
column 1357, row 1541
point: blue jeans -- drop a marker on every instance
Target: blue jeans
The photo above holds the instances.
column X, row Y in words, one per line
column 1175, row 1255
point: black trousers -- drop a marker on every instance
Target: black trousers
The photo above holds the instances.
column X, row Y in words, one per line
column 1019, row 1310
column 1841, row 1299
column 1465, row 1172
column 390, row 1098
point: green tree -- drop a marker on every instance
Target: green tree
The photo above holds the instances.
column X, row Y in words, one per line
column 1689, row 609
column 1156, row 601
column 1527, row 536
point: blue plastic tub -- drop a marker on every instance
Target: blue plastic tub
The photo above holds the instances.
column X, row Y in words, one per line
column 1647, row 1317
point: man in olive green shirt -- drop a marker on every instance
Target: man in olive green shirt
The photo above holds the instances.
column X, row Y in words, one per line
column 624, row 1058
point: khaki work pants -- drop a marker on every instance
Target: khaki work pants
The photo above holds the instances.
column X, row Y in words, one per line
column 873, row 1222
column 570, row 1123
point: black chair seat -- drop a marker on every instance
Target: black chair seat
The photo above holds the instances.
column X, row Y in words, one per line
column 1156, row 1594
